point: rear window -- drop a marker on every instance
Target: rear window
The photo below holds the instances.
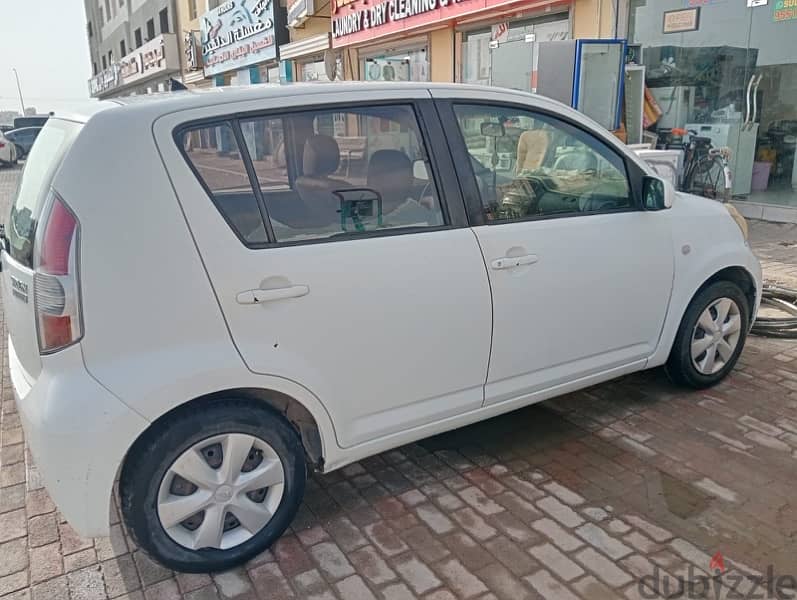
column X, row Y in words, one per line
column 43, row 160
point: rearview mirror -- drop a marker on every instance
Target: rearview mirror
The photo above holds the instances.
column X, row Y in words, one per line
column 419, row 170
column 654, row 194
column 493, row 129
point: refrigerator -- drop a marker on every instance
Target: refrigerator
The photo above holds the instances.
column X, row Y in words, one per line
column 584, row 74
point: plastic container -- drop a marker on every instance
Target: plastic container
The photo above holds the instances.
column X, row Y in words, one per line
column 760, row 180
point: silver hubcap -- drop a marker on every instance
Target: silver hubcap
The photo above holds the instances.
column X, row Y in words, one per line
column 221, row 492
column 716, row 336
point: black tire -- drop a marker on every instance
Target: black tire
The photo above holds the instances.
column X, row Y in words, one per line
column 707, row 178
column 680, row 367
column 154, row 453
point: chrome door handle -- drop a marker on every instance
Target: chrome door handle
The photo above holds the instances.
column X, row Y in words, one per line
column 510, row 262
column 260, row 296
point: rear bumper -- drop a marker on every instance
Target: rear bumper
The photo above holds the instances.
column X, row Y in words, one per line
column 78, row 433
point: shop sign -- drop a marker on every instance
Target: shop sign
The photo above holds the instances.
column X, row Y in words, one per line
column 299, row 11
column 236, row 34
column 347, row 22
column 189, row 50
column 105, row 80
column 678, row 21
column 157, row 55
column 359, row 21
column 785, row 10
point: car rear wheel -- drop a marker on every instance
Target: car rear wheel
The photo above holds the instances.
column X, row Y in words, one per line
column 711, row 336
column 208, row 489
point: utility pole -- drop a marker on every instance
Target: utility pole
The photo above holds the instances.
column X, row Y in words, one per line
column 19, row 89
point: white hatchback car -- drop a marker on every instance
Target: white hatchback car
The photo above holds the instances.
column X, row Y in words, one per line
column 210, row 294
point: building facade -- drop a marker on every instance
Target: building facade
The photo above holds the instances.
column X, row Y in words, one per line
column 133, row 46
column 728, row 70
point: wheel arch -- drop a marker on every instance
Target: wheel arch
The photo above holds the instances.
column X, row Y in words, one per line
column 738, row 275
column 296, row 413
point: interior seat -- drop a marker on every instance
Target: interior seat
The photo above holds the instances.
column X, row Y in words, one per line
column 320, row 160
column 390, row 174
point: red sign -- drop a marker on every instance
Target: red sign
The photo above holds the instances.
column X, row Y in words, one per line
column 356, row 21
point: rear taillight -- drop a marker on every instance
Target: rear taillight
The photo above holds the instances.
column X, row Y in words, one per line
column 56, row 287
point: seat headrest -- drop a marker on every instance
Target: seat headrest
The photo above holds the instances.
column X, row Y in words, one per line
column 321, row 156
column 388, row 163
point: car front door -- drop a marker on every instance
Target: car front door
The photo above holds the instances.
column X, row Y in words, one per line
column 353, row 274
column 580, row 275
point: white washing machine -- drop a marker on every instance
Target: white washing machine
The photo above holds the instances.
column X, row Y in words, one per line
column 742, row 144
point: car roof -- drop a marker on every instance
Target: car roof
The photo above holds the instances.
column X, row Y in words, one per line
column 161, row 103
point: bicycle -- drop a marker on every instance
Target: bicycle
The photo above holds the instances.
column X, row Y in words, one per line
column 706, row 169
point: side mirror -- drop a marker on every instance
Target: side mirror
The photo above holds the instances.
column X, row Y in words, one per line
column 495, row 130
column 654, row 194
column 419, row 170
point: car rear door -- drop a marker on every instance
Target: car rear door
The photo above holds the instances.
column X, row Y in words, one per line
column 580, row 276
column 349, row 275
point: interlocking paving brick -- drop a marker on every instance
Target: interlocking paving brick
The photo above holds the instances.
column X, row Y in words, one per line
column 417, row 575
column 506, row 585
column 459, row 579
column 657, row 533
column 331, row 561
column 163, row 590
column 511, row 555
column 548, row 587
column 564, row 494
column 233, row 584
column 597, row 537
column 557, row 562
column 604, row 568
column 13, row 556
column 53, row 589
column 557, row 534
column 370, row 565
column 474, row 524
column 269, row 579
column 354, row 588
column 42, row 530
column 86, row 584
column 436, row 520
column 45, row 562
column 78, row 560
column 120, row 576
column 561, row 512
column 13, row 525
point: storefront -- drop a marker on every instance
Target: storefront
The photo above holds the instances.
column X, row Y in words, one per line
column 147, row 69
column 475, row 41
column 308, row 56
column 728, row 69
column 239, row 42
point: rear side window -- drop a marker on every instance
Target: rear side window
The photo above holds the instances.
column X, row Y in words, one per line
column 215, row 156
column 44, row 158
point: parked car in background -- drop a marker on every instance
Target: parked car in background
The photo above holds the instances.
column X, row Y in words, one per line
column 23, row 138
column 230, row 306
column 30, row 121
column 8, row 151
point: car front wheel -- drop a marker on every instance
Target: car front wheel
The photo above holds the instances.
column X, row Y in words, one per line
column 711, row 336
column 209, row 488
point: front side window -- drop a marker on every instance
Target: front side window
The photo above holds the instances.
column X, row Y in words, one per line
column 531, row 165
column 216, row 157
column 326, row 174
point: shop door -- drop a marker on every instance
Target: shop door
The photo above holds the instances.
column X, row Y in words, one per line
column 733, row 79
